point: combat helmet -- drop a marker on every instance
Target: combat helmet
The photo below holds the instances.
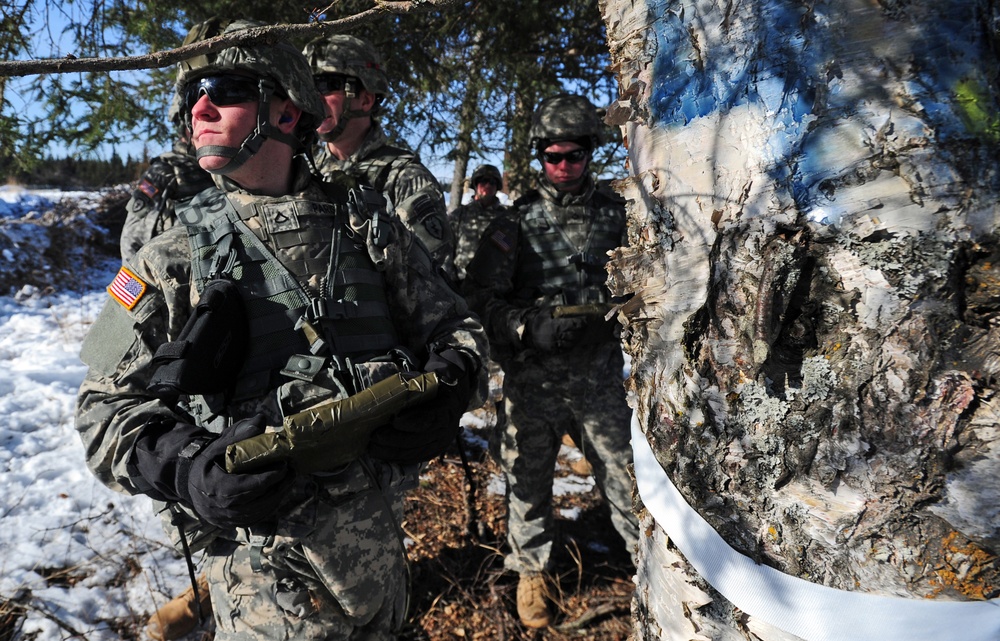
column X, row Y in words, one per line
column 486, row 172
column 351, row 57
column 565, row 117
column 280, row 69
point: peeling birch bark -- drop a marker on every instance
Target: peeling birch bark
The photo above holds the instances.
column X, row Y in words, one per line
column 814, row 330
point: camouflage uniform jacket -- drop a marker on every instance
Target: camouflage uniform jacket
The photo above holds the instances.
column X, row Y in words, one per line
column 171, row 177
column 468, row 223
column 113, row 404
column 406, row 183
column 509, row 274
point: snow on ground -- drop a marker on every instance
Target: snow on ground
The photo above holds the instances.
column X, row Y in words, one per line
column 16, row 202
column 74, row 554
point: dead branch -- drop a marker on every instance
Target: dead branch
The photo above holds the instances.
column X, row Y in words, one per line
column 256, row 35
column 591, row 614
column 51, row 616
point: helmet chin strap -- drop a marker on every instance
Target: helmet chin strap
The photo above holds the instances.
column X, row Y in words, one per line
column 254, row 140
column 345, row 115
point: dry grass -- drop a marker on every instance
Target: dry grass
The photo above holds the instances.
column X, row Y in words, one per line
column 11, row 618
column 75, row 238
column 461, row 590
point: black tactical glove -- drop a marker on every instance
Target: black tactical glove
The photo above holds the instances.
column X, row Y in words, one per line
column 425, row 431
column 548, row 334
column 186, row 463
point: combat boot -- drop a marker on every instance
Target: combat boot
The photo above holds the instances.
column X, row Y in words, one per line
column 180, row 615
column 532, row 600
column 581, row 467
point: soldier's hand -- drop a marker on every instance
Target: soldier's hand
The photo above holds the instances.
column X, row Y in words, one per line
column 425, row 431
column 548, row 334
column 235, row 500
column 186, row 463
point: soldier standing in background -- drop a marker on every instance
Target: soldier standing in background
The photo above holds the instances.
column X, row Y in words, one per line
column 470, row 220
column 277, row 292
column 538, row 282
column 350, row 75
column 468, row 223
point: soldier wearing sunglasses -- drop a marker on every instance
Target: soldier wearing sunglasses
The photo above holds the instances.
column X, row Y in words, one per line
column 350, row 75
column 171, row 177
column 276, row 292
column 538, row 282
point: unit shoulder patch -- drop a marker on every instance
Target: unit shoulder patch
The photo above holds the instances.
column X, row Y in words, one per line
column 127, row 288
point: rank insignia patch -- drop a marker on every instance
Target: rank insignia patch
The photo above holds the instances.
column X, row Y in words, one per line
column 126, row 288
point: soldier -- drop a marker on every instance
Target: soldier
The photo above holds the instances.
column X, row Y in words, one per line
column 278, row 291
column 538, row 282
column 350, row 75
column 468, row 221
column 172, row 176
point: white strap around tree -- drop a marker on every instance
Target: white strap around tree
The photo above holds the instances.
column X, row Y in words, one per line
column 808, row 610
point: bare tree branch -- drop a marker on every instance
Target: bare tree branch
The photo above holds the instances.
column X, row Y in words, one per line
column 256, row 35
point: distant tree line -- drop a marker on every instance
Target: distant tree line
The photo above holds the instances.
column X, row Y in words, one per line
column 77, row 173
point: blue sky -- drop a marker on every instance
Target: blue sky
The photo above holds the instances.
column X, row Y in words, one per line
column 48, row 40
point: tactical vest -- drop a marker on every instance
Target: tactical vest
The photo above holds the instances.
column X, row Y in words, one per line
column 468, row 224
column 564, row 268
column 293, row 327
column 421, row 211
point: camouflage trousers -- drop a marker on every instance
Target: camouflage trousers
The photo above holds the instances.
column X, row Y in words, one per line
column 333, row 568
column 581, row 394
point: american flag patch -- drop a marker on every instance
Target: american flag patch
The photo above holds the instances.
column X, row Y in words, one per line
column 126, row 288
column 148, row 188
column 500, row 240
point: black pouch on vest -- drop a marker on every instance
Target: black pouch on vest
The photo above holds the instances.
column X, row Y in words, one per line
column 207, row 356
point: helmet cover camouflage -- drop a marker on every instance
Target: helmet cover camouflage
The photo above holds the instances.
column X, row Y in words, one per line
column 280, row 62
column 351, row 56
column 486, row 172
column 174, row 112
column 565, row 117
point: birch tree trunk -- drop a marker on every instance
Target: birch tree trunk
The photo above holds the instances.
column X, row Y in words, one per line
column 814, row 335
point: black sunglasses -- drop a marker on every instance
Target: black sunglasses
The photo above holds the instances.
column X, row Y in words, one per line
column 330, row 82
column 222, row 90
column 575, row 156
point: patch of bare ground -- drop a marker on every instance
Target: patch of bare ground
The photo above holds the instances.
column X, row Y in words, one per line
column 49, row 249
column 460, row 588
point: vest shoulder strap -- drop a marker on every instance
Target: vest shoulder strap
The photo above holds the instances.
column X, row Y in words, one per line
column 526, row 199
column 388, row 158
column 605, row 193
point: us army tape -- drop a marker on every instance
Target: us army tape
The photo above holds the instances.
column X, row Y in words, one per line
column 808, row 610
